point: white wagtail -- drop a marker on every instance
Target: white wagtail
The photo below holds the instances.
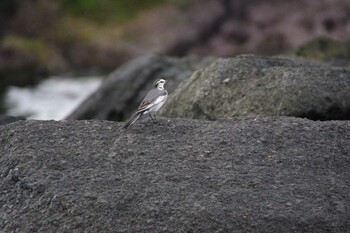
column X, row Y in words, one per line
column 153, row 101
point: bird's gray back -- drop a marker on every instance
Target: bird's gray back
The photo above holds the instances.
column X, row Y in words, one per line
column 152, row 96
column 154, row 93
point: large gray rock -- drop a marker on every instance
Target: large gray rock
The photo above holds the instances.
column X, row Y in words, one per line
column 247, row 175
column 123, row 90
column 253, row 85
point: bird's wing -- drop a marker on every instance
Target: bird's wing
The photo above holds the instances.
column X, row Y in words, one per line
column 153, row 97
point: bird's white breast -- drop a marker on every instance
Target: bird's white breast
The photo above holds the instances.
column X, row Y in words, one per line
column 158, row 104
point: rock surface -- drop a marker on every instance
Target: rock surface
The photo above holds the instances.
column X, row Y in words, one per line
column 250, row 85
column 122, row 91
column 243, row 175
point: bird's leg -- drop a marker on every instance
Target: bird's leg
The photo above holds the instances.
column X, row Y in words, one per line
column 152, row 118
column 159, row 122
column 156, row 118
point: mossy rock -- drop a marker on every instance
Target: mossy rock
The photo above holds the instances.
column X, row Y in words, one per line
column 19, row 75
column 108, row 10
column 254, row 85
column 326, row 50
column 25, row 61
column 46, row 56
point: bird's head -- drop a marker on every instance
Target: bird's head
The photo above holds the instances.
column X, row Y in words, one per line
column 159, row 83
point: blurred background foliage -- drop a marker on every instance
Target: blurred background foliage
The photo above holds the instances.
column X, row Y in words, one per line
column 103, row 11
column 45, row 37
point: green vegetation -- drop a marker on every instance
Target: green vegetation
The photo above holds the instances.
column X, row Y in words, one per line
column 319, row 49
column 40, row 48
column 72, row 30
column 64, row 35
column 106, row 10
column 326, row 50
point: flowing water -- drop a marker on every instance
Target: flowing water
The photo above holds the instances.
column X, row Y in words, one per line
column 52, row 99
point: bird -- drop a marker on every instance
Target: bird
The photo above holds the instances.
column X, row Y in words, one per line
column 153, row 101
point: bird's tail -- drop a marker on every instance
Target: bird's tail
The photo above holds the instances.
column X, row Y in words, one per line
column 132, row 120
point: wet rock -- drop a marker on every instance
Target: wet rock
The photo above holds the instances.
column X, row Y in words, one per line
column 251, row 174
column 252, row 85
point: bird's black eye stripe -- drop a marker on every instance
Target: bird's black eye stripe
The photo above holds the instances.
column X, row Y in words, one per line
column 160, row 81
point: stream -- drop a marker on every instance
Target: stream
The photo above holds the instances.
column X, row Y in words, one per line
column 52, row 99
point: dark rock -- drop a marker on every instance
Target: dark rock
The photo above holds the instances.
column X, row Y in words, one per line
column 33, row 17
column 252, row 85
column 7, row 10
column 123, row 90
column 27, row 61
column 18, row 69
column 9, row 119
column 244, row 175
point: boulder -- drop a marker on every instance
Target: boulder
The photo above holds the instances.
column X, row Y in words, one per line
column 122, row 91
column 265, row 174
column 251, row 85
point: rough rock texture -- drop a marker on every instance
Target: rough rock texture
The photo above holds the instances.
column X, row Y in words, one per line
column 122, row 91
column 244, row 175
column 253, row 85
